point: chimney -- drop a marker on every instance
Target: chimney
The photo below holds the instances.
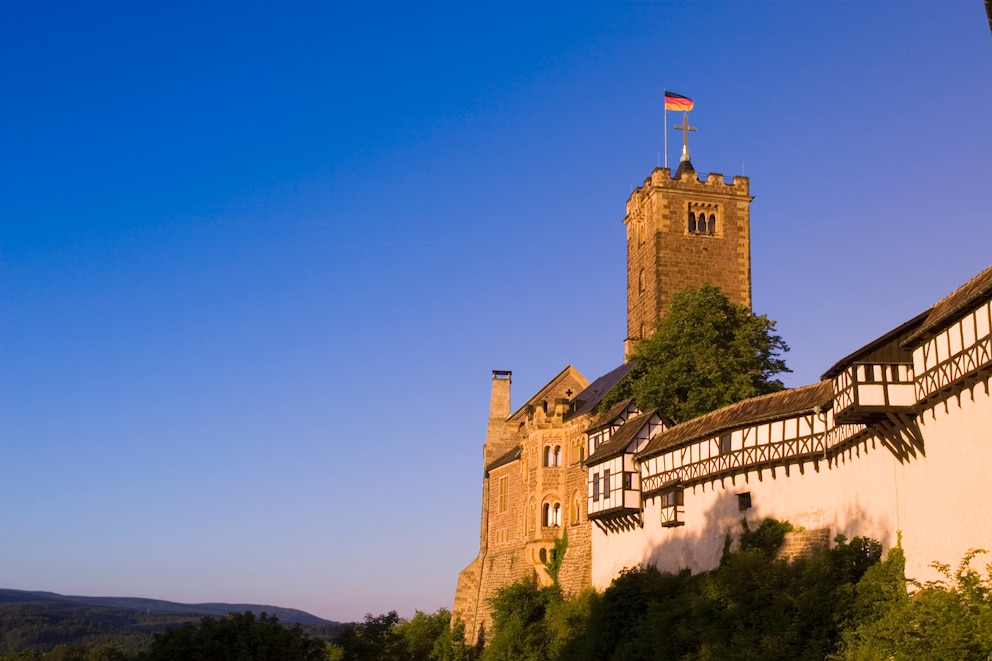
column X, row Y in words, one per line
column 499, row 404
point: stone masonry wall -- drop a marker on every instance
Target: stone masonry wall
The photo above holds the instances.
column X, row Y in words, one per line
column 512, row 524
column 663, row 257
column 802, row 543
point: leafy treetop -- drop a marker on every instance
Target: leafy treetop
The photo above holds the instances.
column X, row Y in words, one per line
column 705, row 353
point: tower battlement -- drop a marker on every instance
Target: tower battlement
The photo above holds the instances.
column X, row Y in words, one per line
column 714, row 182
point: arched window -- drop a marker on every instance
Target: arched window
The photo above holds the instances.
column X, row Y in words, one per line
column 576, row 509
column 701, row 225
column 712, row 223
column 546, row 515
column 551, row 515
column 547, row 456
column 557, row 455
column 692, row 222
column 556, row 515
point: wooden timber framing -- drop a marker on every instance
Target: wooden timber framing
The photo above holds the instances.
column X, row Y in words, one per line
column 861, row 399
column 956, row 357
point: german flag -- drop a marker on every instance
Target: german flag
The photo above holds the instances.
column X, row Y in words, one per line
column 675, row 101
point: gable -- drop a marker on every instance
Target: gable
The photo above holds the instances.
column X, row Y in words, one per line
column 563, row 386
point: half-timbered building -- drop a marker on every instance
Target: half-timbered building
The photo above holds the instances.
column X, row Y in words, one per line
column 895, row 440
column 614, row 491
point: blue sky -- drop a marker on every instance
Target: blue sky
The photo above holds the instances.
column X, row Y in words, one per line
column 257, row 263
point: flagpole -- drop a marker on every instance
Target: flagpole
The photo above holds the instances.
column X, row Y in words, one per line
column 665, row 105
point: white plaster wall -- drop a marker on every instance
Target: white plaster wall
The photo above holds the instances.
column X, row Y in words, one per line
column 940, row 501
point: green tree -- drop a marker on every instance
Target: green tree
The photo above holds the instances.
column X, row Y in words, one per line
column 375, row 638
column 705, row 353
column 451, row 645
column 520, row 631
column 238, row 637
column 947, row 619
column 422, row 632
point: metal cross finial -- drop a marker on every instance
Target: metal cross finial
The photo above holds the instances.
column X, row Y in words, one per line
column 685, row 128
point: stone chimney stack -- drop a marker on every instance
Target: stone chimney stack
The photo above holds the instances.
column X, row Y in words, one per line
column 499, row 437
column 499, row 404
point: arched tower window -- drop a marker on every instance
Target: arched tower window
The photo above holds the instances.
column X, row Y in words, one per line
column 557, row 456
column 547, row 456
column 702, row 219
column 551, row 515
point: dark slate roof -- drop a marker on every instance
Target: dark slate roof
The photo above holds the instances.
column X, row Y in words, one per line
column 508, row 458
column 775, row 406
column 684, row 166
column 593, row 394
column 620, row 439
column 953, row 307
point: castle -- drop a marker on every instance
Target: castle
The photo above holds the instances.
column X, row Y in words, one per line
column 895, row 439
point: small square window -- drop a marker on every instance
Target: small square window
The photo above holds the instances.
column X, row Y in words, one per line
column 744, row 501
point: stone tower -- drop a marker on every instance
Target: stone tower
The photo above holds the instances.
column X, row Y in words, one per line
column 683, row 231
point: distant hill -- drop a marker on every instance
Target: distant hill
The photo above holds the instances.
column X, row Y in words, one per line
column 38, row 621
column 285, row 615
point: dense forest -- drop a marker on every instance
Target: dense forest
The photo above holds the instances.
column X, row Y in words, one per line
column 842, row 603
column 31, row 628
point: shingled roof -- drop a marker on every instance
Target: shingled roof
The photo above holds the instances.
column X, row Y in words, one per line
column 764, row 408
column 507, row 458
column 953, row 306
column 593, row 394
column 620, row 439
column 610, row 416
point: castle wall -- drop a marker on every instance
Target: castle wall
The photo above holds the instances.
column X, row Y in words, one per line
column 575, row 574
column 515, row 542
column 935, row 498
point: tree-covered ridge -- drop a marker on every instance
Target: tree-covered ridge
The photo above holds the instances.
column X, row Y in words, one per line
column 75, row 631
column 705, row 353
column 157, row 606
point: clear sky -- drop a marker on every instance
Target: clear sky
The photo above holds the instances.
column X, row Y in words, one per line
column 257, row 261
